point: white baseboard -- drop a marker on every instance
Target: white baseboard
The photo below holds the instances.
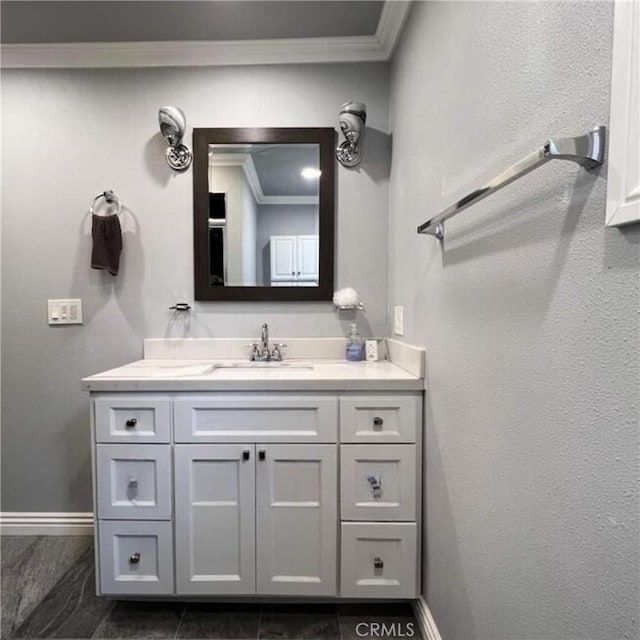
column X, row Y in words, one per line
column 46, row 524
column 425, row 620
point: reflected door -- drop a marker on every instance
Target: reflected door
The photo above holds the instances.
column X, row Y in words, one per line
column 283, row 258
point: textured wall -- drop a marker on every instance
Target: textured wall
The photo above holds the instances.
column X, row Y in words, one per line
column 529, row 314
column 67, row 135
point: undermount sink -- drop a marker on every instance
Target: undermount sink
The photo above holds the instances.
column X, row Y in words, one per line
column 263, row 366
column 195, row 370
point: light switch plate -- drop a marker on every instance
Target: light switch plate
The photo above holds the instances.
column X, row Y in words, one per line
column 398, row 321
column 67, row 311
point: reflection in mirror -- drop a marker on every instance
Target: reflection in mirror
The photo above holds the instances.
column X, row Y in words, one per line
column 263, row 215
column 263, row 218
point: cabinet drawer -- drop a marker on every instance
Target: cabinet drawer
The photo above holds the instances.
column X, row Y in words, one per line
column 133, row 419
column 379, row 560
column 379, row 418
column 136, row 558
column 256, row 418
column 134, row 481
column 378, row 483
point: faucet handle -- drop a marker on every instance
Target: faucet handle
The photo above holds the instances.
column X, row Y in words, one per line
column 276, row 354
column 255, row 350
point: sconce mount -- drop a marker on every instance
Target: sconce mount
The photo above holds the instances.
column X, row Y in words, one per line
column 353, row 116
column 173, row 125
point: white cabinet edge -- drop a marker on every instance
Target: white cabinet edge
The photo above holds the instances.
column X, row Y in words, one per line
column 623, row 178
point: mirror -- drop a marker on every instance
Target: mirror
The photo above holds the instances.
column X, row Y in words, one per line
column 263, row 214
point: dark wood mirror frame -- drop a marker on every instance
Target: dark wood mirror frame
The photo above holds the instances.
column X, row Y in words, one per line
column 202, row 138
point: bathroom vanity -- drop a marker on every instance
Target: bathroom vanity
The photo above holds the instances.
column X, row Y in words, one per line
column 216, row 477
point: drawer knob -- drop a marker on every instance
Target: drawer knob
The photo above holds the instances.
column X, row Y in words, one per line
column 245, row 454
column 262, row 454
column 131, row 422
column 135, row 558
column 132, row 488
column 375, row 484
column 378, row 563
column 378, row 421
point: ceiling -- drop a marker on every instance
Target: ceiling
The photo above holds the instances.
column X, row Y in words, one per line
column 279, row 169
column 26, row 22
column 158, row 33
column 273, row 171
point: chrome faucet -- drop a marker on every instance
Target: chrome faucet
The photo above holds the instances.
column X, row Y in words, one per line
column 262, row 352
column 264, row 338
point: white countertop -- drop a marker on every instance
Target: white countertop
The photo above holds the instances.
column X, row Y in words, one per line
column 202, row 375
column 170, row 372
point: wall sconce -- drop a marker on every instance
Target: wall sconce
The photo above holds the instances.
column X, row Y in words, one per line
column 353, row 116
column 173, row 125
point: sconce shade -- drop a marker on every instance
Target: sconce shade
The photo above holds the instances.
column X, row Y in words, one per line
column 352, row 119
column 173, row 125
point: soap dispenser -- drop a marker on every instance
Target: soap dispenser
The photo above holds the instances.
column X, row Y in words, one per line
column 355, row 345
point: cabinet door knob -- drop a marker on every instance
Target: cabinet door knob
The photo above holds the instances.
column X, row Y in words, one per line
column 132, row 488
column 262, row 455
column 378, row 421
column 378, row 563
column 135, row 558
column 375, row 484
column 245, row 454
column 131, row 422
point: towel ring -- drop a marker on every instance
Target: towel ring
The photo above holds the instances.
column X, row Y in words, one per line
column 110, row 197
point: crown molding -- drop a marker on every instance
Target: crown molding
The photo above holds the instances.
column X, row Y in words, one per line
column 376, row 48
column 394, row 15
column 191, row 54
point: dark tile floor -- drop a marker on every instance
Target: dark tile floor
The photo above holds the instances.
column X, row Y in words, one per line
column 48, row 592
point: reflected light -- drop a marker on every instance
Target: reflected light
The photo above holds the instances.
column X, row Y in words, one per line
column 310, row 173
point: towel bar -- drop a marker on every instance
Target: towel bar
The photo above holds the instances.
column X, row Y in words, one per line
column 587, row 150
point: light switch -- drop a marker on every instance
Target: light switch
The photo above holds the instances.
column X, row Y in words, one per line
column 398, row 321
column 65, row 311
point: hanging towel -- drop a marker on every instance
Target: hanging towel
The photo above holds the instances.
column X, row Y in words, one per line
column 107, row 243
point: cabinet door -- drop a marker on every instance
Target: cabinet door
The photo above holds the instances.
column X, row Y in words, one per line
column 296, row 493
column 379, row 418
column 379, row 560
column 283, row 257
column 133, row 418
column 136, row 557
column 215, row 519
column 307, row 258
column 378, row 482
column 259, row 417
column 134, row 481
column 623, row 180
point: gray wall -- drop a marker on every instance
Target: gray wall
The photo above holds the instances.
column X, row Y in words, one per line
column 529, row 313
column 249, row 231
column 69, row 134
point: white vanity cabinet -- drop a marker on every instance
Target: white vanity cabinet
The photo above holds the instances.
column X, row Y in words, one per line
column 133, row 496
column 256, row 519
column 244, row 493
